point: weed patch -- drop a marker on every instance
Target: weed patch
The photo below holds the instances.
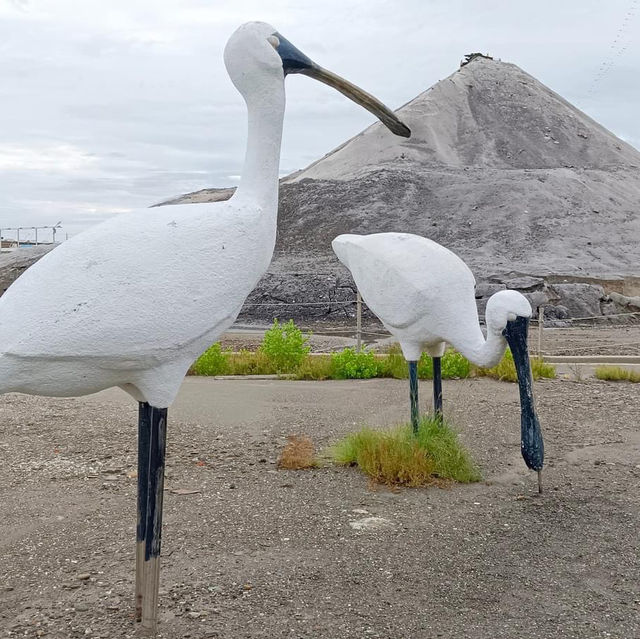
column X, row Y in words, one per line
column 249, row 363
column 285, row 350
column 617, row 374
column 393, row 364
column 317, row 367
column 214, row 361
column 506, row 370
column 396, row 457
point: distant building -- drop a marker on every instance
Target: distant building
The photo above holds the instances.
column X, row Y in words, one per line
column 8, row 244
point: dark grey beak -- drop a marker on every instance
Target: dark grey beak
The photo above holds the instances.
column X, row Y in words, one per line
column 294, row 61
column 531, row 443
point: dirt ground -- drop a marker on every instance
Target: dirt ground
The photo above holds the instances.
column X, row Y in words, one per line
column 258, row 552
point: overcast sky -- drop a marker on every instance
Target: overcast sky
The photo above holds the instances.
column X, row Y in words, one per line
column 110, row 106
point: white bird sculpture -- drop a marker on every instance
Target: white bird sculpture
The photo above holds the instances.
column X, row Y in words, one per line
column 133, row 301
column 425, row 296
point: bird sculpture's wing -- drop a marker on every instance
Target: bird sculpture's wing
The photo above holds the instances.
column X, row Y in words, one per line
column 139, row 287
column 402, row 276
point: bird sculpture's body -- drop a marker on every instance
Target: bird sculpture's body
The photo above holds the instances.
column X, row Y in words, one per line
column 425, row 296
column 133, row 301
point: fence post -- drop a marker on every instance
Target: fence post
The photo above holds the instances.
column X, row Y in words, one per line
column 540, row 327
column 358, row 321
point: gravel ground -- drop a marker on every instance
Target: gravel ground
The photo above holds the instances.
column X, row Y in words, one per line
column 257, row 552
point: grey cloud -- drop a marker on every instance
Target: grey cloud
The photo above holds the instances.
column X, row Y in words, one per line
column 140, row 88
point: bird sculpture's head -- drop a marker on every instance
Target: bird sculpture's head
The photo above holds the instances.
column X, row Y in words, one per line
column 508, row 314
column 343, row 245
column 504, row 307
column 256, row 56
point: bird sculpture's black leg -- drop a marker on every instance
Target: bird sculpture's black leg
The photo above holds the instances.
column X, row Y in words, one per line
column 152, row 437
column 437, row 388
column 413, row 395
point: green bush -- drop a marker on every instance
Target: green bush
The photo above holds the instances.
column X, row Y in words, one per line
column 285, row 346
column 452, row 364
column 455, row 366
column 214, row 361
column 348, row 364
column 425, row 367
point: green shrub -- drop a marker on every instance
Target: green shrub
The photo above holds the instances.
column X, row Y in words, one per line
column 285, row 346
column 452, row 364
column 397, row 457
column 348, row 364
column 617, row 374
column 455, row 366
column 214, row 361
column 425, row 367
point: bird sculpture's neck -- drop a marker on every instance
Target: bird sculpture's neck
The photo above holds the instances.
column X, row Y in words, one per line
column 483, row 352
column 259, row 181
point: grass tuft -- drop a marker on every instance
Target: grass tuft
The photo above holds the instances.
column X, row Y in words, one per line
column 247, row 362
column 393, row 364
column 317, row 367
column 395, row 457
column 505, row 371
column 617, row 374
column 297, row 454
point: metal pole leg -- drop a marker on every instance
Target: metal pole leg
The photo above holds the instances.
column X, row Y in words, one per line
column 413, row 395
column 437, row 388
column 152, row 437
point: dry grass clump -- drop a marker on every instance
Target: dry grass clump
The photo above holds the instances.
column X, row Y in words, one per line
column 298, row 454
column 617, row 374
column 397, row 457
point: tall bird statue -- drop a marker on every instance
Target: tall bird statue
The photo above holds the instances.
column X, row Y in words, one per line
column 133, row 301
column 425, row 296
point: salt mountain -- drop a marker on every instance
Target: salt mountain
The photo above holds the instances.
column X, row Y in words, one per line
column 527, row 189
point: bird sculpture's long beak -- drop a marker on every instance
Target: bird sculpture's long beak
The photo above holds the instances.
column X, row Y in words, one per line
column 371, row 104
column 531, row 444
column 294, row 61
